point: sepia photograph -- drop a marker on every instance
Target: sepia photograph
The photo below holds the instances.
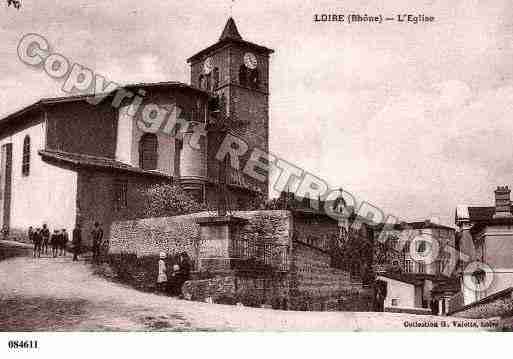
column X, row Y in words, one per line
column 238, row 166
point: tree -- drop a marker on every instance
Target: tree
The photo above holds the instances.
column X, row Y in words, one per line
column 15, row 3
column 168, row 200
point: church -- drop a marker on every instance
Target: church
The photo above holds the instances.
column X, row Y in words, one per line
column 66, row 161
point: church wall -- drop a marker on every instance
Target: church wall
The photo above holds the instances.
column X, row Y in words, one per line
column 96, row 198
column 47, row 194
column 252, row 108
column 131, row 128
column 220, row 59
column 80, row 127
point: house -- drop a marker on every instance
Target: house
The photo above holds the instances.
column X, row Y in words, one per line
column 485, row 240
column 416, row 255
column 404, row 293
column 71, row 160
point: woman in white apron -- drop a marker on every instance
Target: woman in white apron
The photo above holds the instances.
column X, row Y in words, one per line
column 162, row 277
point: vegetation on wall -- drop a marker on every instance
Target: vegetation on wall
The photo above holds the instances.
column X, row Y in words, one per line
column 168, row 200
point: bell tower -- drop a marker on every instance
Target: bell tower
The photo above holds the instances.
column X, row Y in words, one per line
column 236, row 72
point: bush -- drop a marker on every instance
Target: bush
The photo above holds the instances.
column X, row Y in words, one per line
column 249, row 299
column 168, row 200
column 138, row 272
column 227, row 299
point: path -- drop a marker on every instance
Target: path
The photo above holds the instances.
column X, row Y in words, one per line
column 56, row 294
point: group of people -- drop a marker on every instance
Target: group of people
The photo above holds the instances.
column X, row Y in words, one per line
column 58, row 241
column 171, row 281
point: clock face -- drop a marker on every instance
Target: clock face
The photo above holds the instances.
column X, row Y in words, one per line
column 207, row 66
column 250, row 60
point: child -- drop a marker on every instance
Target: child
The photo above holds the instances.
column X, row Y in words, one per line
column 162, row 277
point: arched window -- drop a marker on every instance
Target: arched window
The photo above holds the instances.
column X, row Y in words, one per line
column 215, row 78
column 242, row 75
column 148, row 151
column 201, row 82
column 254, row 80
column 25, row 163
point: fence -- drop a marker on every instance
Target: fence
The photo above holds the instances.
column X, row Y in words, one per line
column 269, row 254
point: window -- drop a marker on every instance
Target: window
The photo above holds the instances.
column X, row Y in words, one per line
column 120, row 194
column 215, row 78
column 440, row 266
column 148, row 155
column 25, row 163
column 408, row 266
column 242, row 75
column 422, row 267
column 201, row 82
column 406, row 248
column 395, row 302
column 421, row 246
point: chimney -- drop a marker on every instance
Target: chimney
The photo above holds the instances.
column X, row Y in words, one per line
column 502, row 202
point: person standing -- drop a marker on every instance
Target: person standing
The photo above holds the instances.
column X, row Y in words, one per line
column 173, row 283
column 36, row 237
column 184, row 271
column 64, row 241
column 45, row 236
column 76, row 241
column 54, row 242
column 162, row 277
column 97, row 237
column 30, row 234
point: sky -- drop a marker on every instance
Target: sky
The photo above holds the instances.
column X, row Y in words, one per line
column 414, row 118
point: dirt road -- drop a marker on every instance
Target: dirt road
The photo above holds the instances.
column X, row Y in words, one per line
column 56, row 294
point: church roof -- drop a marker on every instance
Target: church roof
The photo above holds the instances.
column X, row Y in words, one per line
column 230, row 31
column 230, row 35
column 53, row 100
column 82, row 160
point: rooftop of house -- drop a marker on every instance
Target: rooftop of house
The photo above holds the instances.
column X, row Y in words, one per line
column 414, row 278
column 481, row 216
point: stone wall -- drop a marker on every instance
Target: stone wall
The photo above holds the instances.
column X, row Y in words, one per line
column 310, row 283
column 149, row 236
column 496, row 305
column 181, row 233
column 268, row 226
column 232, row 288
column 317, row 231
column 314, row 284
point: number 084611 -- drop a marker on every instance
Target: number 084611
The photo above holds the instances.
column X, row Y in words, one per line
column 22, row 344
